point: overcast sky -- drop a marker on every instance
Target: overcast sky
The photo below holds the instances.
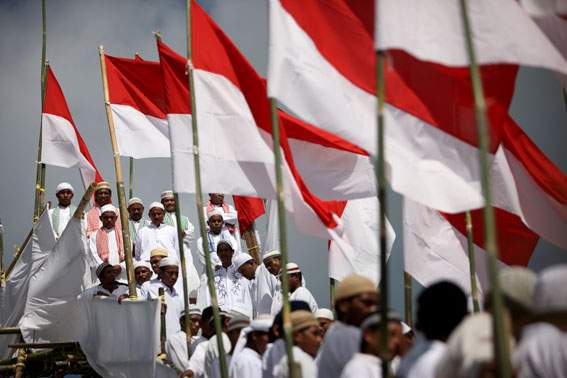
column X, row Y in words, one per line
column 74, row 31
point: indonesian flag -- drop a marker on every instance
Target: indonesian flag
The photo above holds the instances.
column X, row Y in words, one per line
column 234, row 128
column 61, row 144
column 249, row 209
column 137, row 102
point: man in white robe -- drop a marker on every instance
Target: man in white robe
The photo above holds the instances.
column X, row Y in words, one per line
column 108, row 286
column 215, row 234
column 168, row 202
column 197, row 362
column 229, row 216
column 355, row 298
column 102, row 197
column 136, row 220
column 296, row 290
column 142, row 273
column 62, row 213
column 247, row 362
column 156, row 235
column 366, row 363
column 325, row 318
column 176, row 345
column 263, row 284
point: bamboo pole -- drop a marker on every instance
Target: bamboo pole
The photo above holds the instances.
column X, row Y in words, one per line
column 472, row 265
column 287, row 330
column 1, row 251
column 408, row 299
column 20, row 364
column 131, row 191
column 381, row 176
column 499, row 328
column 119, row 182
column 10, row 331
column 85, row 200
column 162, row 333
column 199, row 195
column 252, row 244
column 332, row 294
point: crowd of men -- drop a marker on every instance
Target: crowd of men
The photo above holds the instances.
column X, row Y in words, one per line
column 449, row 340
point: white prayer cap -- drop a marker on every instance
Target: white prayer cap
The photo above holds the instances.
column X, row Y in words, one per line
column 63, row 186
column 106, row 208
column 237, row 322
column 292, row 268
column 324, row 313
column 167, row 194
column 262, row 323
column 550, row 293
column 134, row 200
column 103, row 185
column 145, row 264
column 156, row 204
column 224, row 241
column 193, row 310
column 214, row 212
column 100, row 268
column 241, row 259
column 167, row 261
column 517, row 284
column 237, row 311
column 405, row 328
column 272, row 253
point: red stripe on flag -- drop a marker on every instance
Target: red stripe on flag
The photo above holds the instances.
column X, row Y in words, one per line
column 249, row 209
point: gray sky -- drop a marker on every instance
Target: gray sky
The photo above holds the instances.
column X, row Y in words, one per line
column 74, row 31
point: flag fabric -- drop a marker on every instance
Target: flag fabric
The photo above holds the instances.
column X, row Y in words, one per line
column 272, row 236
column 137, row 102
column 61, row 144
column 249, row 209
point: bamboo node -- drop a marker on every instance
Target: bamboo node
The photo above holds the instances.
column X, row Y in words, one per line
column 190, row 64
column 17, row 248
column 253, row 247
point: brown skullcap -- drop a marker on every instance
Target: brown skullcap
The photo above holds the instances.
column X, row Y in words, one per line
column 301, row 319
column 158, row 252
column 354, row 285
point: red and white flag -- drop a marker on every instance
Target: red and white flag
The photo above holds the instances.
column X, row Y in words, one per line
column 249, row 209
column 61, row 144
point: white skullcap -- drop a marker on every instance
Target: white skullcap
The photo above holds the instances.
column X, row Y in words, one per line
column 103, row 185
column 324, row 313
column 100, row 268
column 167, row 194
column 292, row 268
column 215, row 212
column 63, row 186
column 167, row 261
column 134, row 200
column 262, row 323
column 405, row 328
column 517, row 284
column 550, row 293
column 225, row 241
column 106, row 208
column 193, row 310
column 145, row 264
column 237, row 322
column 237, row 311
column 272, row 253
column 241, row 259
column 156, row 204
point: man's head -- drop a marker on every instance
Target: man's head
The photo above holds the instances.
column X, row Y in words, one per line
column 106, row 273
column 225, row 252
column 64, row 193
column 306, row 333
column 142, row 271
column 169, row 271
column 325, row 318
column 355, row 298
column 103, row 193
column 235, row 325
column 168, row 201
column 108, row 216
column 294, row 276
column 135, row 208
column 258, row 337
column 215, row 221
column 156, row 213
column 194, row 320
column 272, row 261
column 277, row 328
column 207, row 330
column 440, row 308
column 216, row 198
column 245, row 265
column 370, row 327
column 155, row 258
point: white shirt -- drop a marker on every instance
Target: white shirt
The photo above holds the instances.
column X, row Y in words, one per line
column 303, row 294
column 308, row 366
column 173, row 300
column 176, row 350
column 197, row 361
column 341, row 342
column 113, row 256
column 91, row 292
column 152, row 237
column 232, row 289
column 212, row 361
column 247, row 364
column 426, row 365
column 212, row 241
column 362, row 365
column 262, row 290
column 64, row 217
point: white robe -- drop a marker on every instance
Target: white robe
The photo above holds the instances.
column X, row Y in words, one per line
column 197, row 361
column 64, row 217
column 262, row 290
column 232, row 289
column 308, row 366
column 176, row 350
column 212, row 241
column 247, row 364
column 152, row 237
column 426, row 365
column 91, row 292
column 341, row 342
column 174, row 301
column 303, row 294
column 362, row 365
column 212, row 361
column 273, row 354
column 113, row 256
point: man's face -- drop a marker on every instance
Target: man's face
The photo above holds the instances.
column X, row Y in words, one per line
column 406, row 343
column 156, row 216
column 215, row 224
column 273, row 264
column 169, row 204
column 224, row 252
column 108, row 219
column 261, row 340
column 107, row 276
column 206, row 328
column 394, row 338
column 169, row 275
column 324, row 325
column 216, row 198
column 308, row 340
column 248, row 270
column 103, row 196
column 358, row 307
column 136, row 211
column 154, row 261
column 64, row 196
column 195, row 321
column 142, row 274
column 294, row 281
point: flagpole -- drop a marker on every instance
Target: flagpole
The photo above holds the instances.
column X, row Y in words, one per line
column 131, row 193
column 500, row 339
column 252, row 244
column 1, row 251
column 472, row 265
column 40, row 174
column 332, row 294
column 408, row 300
column 199, row 195
column 119, row 182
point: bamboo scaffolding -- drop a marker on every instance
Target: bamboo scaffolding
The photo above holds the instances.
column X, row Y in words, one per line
column 472, row 265
column 286, row 314
column 199, row 195
column 408, row 300
column 499, row 327
column 119, row 182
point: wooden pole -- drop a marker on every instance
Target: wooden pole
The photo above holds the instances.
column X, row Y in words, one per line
column 131, row 192
column 10, row 331
column 287, row 330
column 162, row 334
column 1, row 251
column 20, row 364
column 332, row 295
column 252, row 244
column 499, row 330
column 408, row 300
column 472, row 268
column 85, row 200
column 119, row 182
column 199, row 195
